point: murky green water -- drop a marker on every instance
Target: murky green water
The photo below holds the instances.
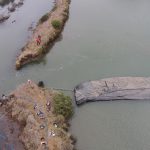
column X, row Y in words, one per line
column 103, row 38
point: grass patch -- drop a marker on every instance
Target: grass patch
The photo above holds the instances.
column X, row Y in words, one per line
column 44, row 18
column 63, row 105
column 56, row 24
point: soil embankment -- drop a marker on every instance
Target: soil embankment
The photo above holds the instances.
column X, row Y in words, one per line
column 33, row 108
column 49, row 28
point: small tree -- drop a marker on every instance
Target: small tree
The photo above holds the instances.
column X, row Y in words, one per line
column 56, row 24
column 63, row 105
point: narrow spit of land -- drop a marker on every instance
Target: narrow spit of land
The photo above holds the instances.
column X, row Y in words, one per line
column 48, row 32
column 117, row 88
column 32, row 107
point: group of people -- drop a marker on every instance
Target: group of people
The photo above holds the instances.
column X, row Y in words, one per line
column 41, row 115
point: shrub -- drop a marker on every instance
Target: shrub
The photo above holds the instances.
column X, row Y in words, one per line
column 42, row 50
column 43, row 18
column 56, row 24
column 63, row 105
column 41, row 84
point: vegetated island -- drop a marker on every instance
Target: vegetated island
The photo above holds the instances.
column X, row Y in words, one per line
column 43, row 116
column 49, row 28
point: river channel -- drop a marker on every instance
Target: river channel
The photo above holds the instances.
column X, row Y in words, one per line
column 102, row 38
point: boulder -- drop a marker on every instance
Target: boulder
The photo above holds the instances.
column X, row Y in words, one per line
column 4, row 17
column 4, row 2
column 12, row 7
column 119, row 88
column 18, row 2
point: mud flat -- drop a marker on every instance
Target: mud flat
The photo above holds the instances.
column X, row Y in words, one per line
column 32, row 108
column 119, row 88
column 48, row 32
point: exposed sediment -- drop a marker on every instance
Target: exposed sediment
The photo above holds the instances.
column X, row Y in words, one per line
column 32, row 107
column 48, row 33
column 119, row 88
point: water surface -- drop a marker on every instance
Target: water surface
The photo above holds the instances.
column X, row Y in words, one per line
column 9, row 134
column 103, row 38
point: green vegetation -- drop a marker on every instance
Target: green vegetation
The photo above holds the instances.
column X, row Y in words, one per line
column 42, row 50
column 44, row 18
column 56, row 24
column 63, row 105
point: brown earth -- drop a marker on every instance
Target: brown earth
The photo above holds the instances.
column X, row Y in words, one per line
column 32, row 107
column 48, row 33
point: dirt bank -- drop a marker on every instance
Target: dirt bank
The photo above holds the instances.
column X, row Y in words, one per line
column 47, row 31
column 33, row 108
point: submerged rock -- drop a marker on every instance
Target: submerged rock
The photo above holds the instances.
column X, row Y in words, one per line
column 119, row 88
column 4, row 17
column 5, row 2
column 18, row 2
column 12, row 7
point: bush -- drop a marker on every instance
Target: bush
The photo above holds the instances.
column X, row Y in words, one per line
column 63, row 105
column 42, row 50
column 56, row 24
column 44, row 18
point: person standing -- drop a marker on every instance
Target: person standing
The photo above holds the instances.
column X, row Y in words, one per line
column 38, row 40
